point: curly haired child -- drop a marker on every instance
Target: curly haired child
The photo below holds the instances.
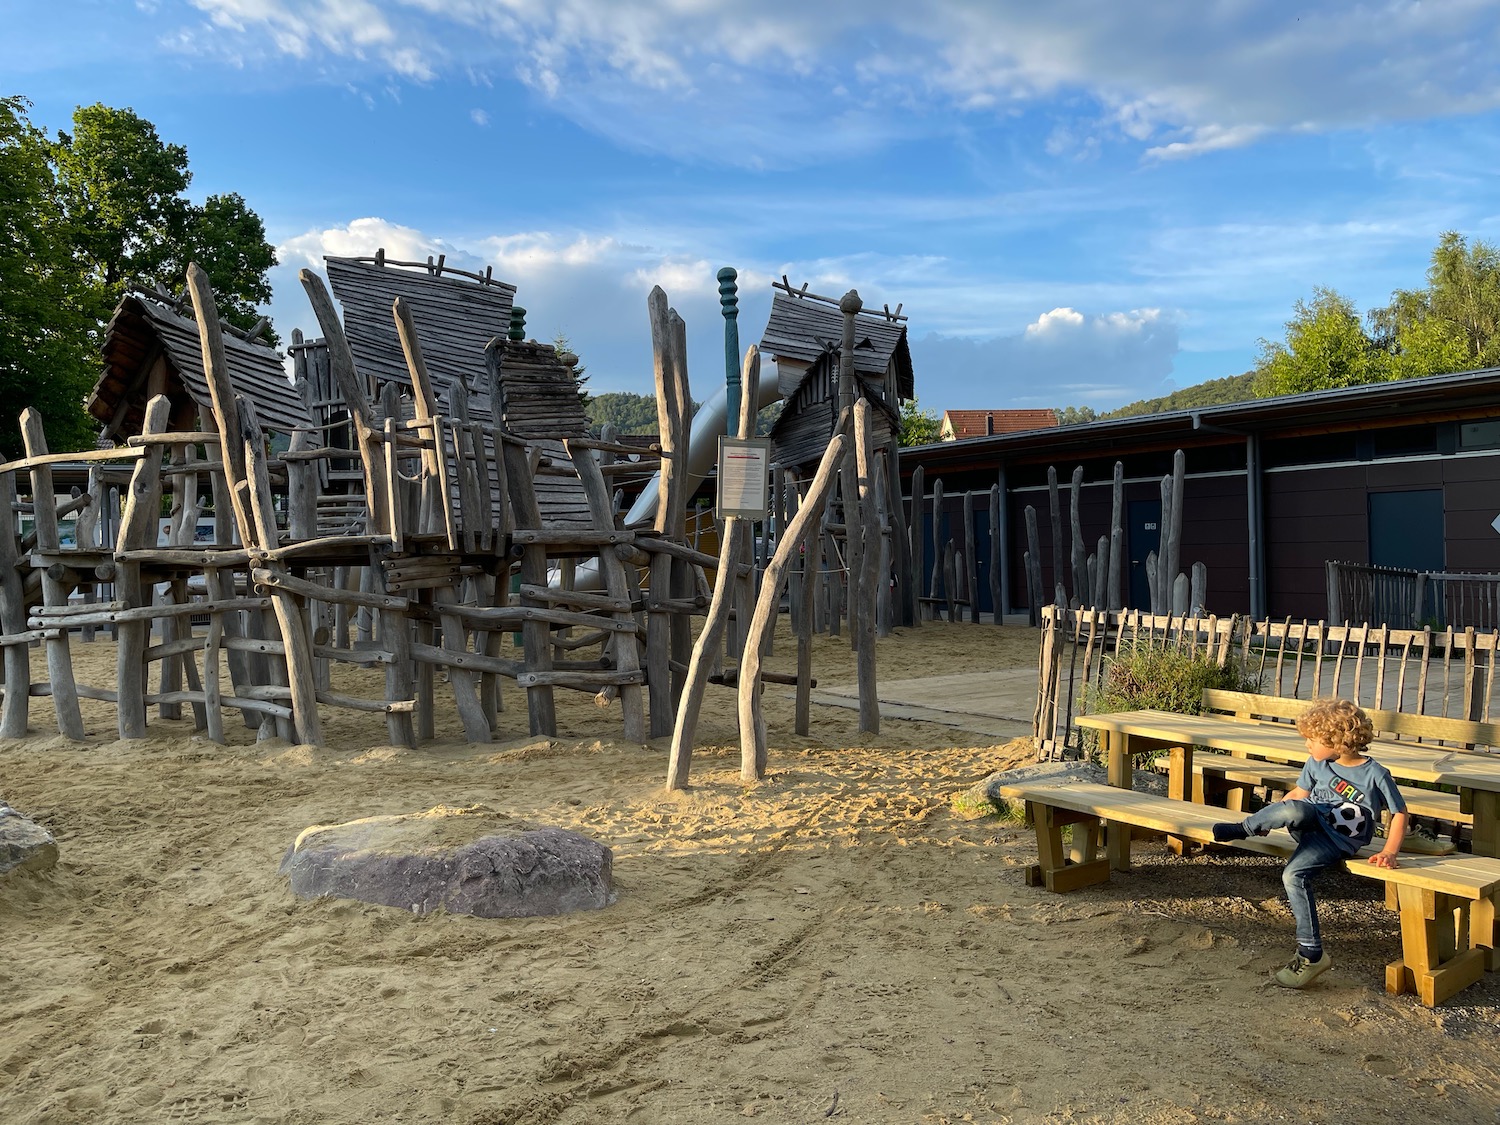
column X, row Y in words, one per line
column 1332, row 813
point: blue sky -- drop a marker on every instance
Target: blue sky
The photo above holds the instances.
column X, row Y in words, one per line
column 1082, row 202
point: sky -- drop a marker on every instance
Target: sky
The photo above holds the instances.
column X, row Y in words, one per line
column 1075, row 203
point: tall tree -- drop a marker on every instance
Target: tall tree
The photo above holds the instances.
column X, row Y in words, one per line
column 1325, row 347
column 1454, row 323
column 46, row 308
column 121, row 189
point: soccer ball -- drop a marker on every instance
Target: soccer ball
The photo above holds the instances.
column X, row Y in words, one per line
column 1348, row 819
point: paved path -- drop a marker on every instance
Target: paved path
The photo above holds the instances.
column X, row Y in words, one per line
column 998, row 703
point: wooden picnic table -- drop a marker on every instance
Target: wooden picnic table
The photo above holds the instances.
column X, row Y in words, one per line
column 1475, row 775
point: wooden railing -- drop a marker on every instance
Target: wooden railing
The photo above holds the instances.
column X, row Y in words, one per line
column 1445, row 672
column 1410, row 599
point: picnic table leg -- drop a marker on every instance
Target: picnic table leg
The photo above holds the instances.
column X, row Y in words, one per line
column 1119, row 776
column 1484, row 931
column 1430, row 963
column 1054, row 871
column 1180, row 788
column 1486, row 809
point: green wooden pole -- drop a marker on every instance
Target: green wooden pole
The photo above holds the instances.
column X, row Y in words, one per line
column 729, row 299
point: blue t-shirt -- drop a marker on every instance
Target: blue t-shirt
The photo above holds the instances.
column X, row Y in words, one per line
column 1351, row 798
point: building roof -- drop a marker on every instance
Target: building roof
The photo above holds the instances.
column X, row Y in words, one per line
column 1464, row 394
column 455, row 318
column 802, row 328
column 143, row 329
column 959, row 425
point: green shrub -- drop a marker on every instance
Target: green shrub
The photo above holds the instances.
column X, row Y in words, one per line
column 1164, row 679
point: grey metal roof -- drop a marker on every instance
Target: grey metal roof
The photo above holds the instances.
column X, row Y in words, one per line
column 801, row 329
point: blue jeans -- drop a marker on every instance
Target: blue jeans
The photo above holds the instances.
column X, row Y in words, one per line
column 1317, row 851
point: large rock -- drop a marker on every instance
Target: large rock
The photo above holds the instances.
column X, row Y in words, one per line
column 24, row 844
column 462, row 860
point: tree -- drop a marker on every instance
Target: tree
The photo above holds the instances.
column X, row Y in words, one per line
column 918, row 426
column 46, row 308
column 121, row 191
column 1325, row 348
column 1454, row 323
column 1075, row 415
column 562, row 346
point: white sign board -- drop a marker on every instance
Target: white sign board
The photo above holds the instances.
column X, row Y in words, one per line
column 744, row 477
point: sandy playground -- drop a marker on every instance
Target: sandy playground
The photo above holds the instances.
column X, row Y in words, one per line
column 835, row 943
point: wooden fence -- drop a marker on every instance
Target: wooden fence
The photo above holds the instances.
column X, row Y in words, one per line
column 1410, row 599
column 1445, row 672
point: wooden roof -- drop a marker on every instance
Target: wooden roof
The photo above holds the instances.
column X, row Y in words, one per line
column 455, row 319
column 143, row 329
column 801, row 329
column 963, row 424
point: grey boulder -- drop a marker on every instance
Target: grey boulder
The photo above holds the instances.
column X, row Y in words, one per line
column 462, row 860
column 24, row 844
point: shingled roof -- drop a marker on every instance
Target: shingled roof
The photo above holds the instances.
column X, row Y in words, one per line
column 143, row 330
column 455, row 318
column 960, row 424
column 801, row 329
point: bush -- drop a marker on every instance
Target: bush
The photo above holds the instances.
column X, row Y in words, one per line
column 1163, row 679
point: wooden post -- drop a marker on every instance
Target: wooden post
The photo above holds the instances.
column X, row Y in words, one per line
column 971, row 558
column 849, row 487
column 1057, row 542
column 55, row 590
column 899, row 542
column 938, row 541
column 138, row 529
column 1117, row 539
column 998, row 591
column 1174, row 526
column 917, row 534
column 1033, row 567
column 669, row 501
column 13, row 617
column 752, row 722
column 1081, row 588
column 864, row 622
column 730, row 552
column 729, row 304
column 888, row 610
column 297, row 644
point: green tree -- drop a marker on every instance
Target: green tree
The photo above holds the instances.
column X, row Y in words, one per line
column 45, row 306
column 121, row 191
column 1325, row 348
column 918, row 426
column 1075, row 415
column 562, row 345
column 1451, row 325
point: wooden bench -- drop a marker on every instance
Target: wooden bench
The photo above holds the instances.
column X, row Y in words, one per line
column 1217, row 776
column 1398, row 725
column 1447, row 904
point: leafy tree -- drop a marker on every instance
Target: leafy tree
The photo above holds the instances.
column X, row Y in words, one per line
column 1214, row 392
column 1325, row 347
column 918, row 426
column 1075, row 415
column 1454, row 323
column 121, row 191
column 45, row 306
column 628, row 413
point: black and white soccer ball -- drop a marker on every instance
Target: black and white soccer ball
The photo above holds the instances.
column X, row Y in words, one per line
column 1348, row 819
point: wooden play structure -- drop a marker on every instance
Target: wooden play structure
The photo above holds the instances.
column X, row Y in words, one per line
column 423, row 489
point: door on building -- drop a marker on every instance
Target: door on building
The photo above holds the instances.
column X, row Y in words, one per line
column 1406, row 529
column 1142, row 536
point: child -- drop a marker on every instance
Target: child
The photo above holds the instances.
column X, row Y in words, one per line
column 1332, row 813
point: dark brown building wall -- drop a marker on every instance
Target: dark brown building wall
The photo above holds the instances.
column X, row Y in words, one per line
column 1471, row 501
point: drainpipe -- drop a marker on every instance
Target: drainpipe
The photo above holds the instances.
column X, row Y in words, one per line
column 1254, row 502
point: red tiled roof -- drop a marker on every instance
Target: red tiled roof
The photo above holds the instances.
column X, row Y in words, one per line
column 975, row 423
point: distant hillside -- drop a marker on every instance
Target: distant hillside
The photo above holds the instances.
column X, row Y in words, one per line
column 1215, row 392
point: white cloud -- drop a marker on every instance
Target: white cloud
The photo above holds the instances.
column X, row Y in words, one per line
column 1136, row 73
column 479, row 117
column 1063, row 358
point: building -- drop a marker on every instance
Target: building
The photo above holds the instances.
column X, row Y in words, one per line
column 1403, row 474
column 960, row 425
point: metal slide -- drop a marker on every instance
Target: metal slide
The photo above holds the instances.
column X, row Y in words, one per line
column 703, row 453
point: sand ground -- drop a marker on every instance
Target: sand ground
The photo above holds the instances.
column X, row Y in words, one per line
column 835, row 943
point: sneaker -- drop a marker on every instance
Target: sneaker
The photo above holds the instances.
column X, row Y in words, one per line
column 1228, row 831
column 1300, row 972
column 1421, row 840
